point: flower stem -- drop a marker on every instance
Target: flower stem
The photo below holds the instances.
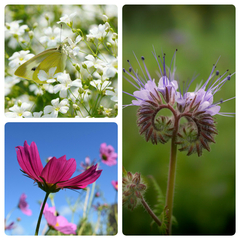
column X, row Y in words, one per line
column 41, row 212
column 171, row 178
column 151, row 213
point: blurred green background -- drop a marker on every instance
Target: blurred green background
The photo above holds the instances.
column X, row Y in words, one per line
column 205, row 186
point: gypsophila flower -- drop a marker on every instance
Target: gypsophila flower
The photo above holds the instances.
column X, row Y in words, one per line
column 52, row 37
column 93, row 62
column 10, row 81
column 67, row 19
column 35, row 89
column 73, row 49
column 49, row 77
column 18, row 58
column 99, row 32
column 197, row 107
column 65, row 83
column 56, row 107
column 114, row 94
column 100, row 85
column 19, row 110
column 37, row 114
column 15, row 29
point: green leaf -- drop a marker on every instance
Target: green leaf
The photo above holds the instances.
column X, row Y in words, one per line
column 159, row 206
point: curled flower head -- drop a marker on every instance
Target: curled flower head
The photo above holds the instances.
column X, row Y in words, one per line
column 197, row 107
column 56, row 174
column 23, row 205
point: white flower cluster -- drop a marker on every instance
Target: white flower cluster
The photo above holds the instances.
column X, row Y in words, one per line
column 88, row 85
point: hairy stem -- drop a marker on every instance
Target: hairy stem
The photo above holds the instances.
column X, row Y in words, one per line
column 151, row 213
column 171, row 178
column 41, row 212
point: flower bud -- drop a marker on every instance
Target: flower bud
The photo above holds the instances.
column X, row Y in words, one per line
column 133, row 189
column 84, row 65
column 104, row 18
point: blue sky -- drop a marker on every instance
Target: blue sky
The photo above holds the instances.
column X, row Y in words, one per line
column 75, row 140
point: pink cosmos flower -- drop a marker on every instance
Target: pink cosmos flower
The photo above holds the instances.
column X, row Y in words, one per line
column 87, row 164
column 23, row 205
column 107, row 154
column 10, row 226
column 115, row 184
column 97, row 194
column 56, row 173
column 59, row 223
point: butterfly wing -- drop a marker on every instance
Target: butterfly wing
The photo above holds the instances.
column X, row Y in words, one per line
column 43, row 61
column 55, row 59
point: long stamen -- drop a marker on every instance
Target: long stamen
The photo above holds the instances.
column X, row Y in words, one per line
column 146, row 68
column 140, row 66
column 226, row 114
column 164, row 66
column 133, row 96
column 219, row 85
column 210, row 76
column 136, row 78
column 171, row 64
column 131, row 83
column 209, row 85
column 217, row 82
column 155, row 56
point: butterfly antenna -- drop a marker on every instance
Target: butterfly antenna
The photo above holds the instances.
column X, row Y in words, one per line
column 61, row 35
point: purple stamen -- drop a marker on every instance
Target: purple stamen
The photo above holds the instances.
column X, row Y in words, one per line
column 132, row 83
column 140, row 67
column 133, row 96
column 155, row 56
column 146, row 68
column 171, row 64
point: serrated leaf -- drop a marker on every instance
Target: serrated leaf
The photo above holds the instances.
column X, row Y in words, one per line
column 159, row 206
column 163, row 219
column 124, row 172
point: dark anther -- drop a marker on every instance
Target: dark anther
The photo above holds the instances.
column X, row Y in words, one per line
column 217, row 73
column 142, row 58
column 130, row 69
column 127, row 60
column 124, row 70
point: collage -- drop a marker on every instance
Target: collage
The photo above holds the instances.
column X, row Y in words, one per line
column 119, row 120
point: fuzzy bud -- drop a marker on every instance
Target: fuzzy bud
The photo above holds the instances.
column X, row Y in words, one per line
column 133, row 189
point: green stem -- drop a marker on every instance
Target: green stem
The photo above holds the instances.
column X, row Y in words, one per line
column 41, row 212
column 171, row 178
column 150, row 212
